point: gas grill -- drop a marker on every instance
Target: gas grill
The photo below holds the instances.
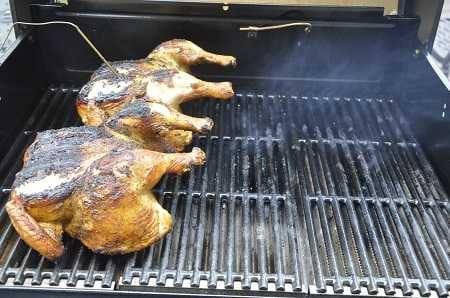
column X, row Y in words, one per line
column 327, row 173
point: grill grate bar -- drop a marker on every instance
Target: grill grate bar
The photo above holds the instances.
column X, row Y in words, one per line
column 56, row 277
column 354, row 285
column 9, row 258
column 246, row 218
column 231, row 240
column 337, row 285
column 297, row 184
column 20, row 275
column 72, row 280
column 292, row 182
column 329, row 188
column 184, row 238
column 280, row 256
column 389, row 287
column 212, row 281
column 128, row 273
column 202, row 216
column 37, row 276
column 430, row 176
column 308, row 181
column 392, row 247
column 89, row 281
column 419, row 236
column 167, row 243
column 292, row 261
column 186, row 224
column 261, row 233
column 440, row 246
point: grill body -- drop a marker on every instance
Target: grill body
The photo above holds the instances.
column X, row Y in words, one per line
column 326, row 173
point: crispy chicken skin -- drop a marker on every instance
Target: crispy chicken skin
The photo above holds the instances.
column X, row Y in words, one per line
column 95, row 187
column 161, row 77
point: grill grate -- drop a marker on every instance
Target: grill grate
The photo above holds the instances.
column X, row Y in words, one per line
column 299, row 194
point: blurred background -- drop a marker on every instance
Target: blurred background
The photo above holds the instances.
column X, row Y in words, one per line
column 5, row 22
column 440, row 55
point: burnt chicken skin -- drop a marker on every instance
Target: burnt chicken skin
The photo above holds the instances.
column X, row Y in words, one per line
column 94, row 186
column 161, row 77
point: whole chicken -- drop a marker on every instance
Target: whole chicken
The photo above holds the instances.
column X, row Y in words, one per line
column 96, row 187
column 161, row 77
column 155, row 126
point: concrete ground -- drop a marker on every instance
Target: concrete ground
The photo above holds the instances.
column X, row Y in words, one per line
column 441, row 47
column 5, row 23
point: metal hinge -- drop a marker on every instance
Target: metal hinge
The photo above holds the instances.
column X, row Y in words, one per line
column 61, row 2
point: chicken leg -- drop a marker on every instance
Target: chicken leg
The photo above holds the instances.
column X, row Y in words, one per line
column 173, row 88
column 43, row 237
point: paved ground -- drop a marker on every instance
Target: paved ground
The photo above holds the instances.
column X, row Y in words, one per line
column 5, row 22
column 441, row 48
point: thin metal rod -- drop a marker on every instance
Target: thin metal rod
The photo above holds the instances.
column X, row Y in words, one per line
column 274, row 27
column 76, row 28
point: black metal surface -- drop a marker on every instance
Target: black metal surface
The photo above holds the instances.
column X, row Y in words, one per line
column 19, row 90
column 198, row 8
column 300, row 195
column 346, row 44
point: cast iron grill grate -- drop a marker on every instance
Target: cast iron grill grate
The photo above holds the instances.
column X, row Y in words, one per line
column 299, row 194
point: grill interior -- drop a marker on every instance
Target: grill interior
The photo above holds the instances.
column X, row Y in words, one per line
column 299, row 194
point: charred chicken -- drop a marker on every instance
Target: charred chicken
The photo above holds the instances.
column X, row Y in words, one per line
column 95, row 187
